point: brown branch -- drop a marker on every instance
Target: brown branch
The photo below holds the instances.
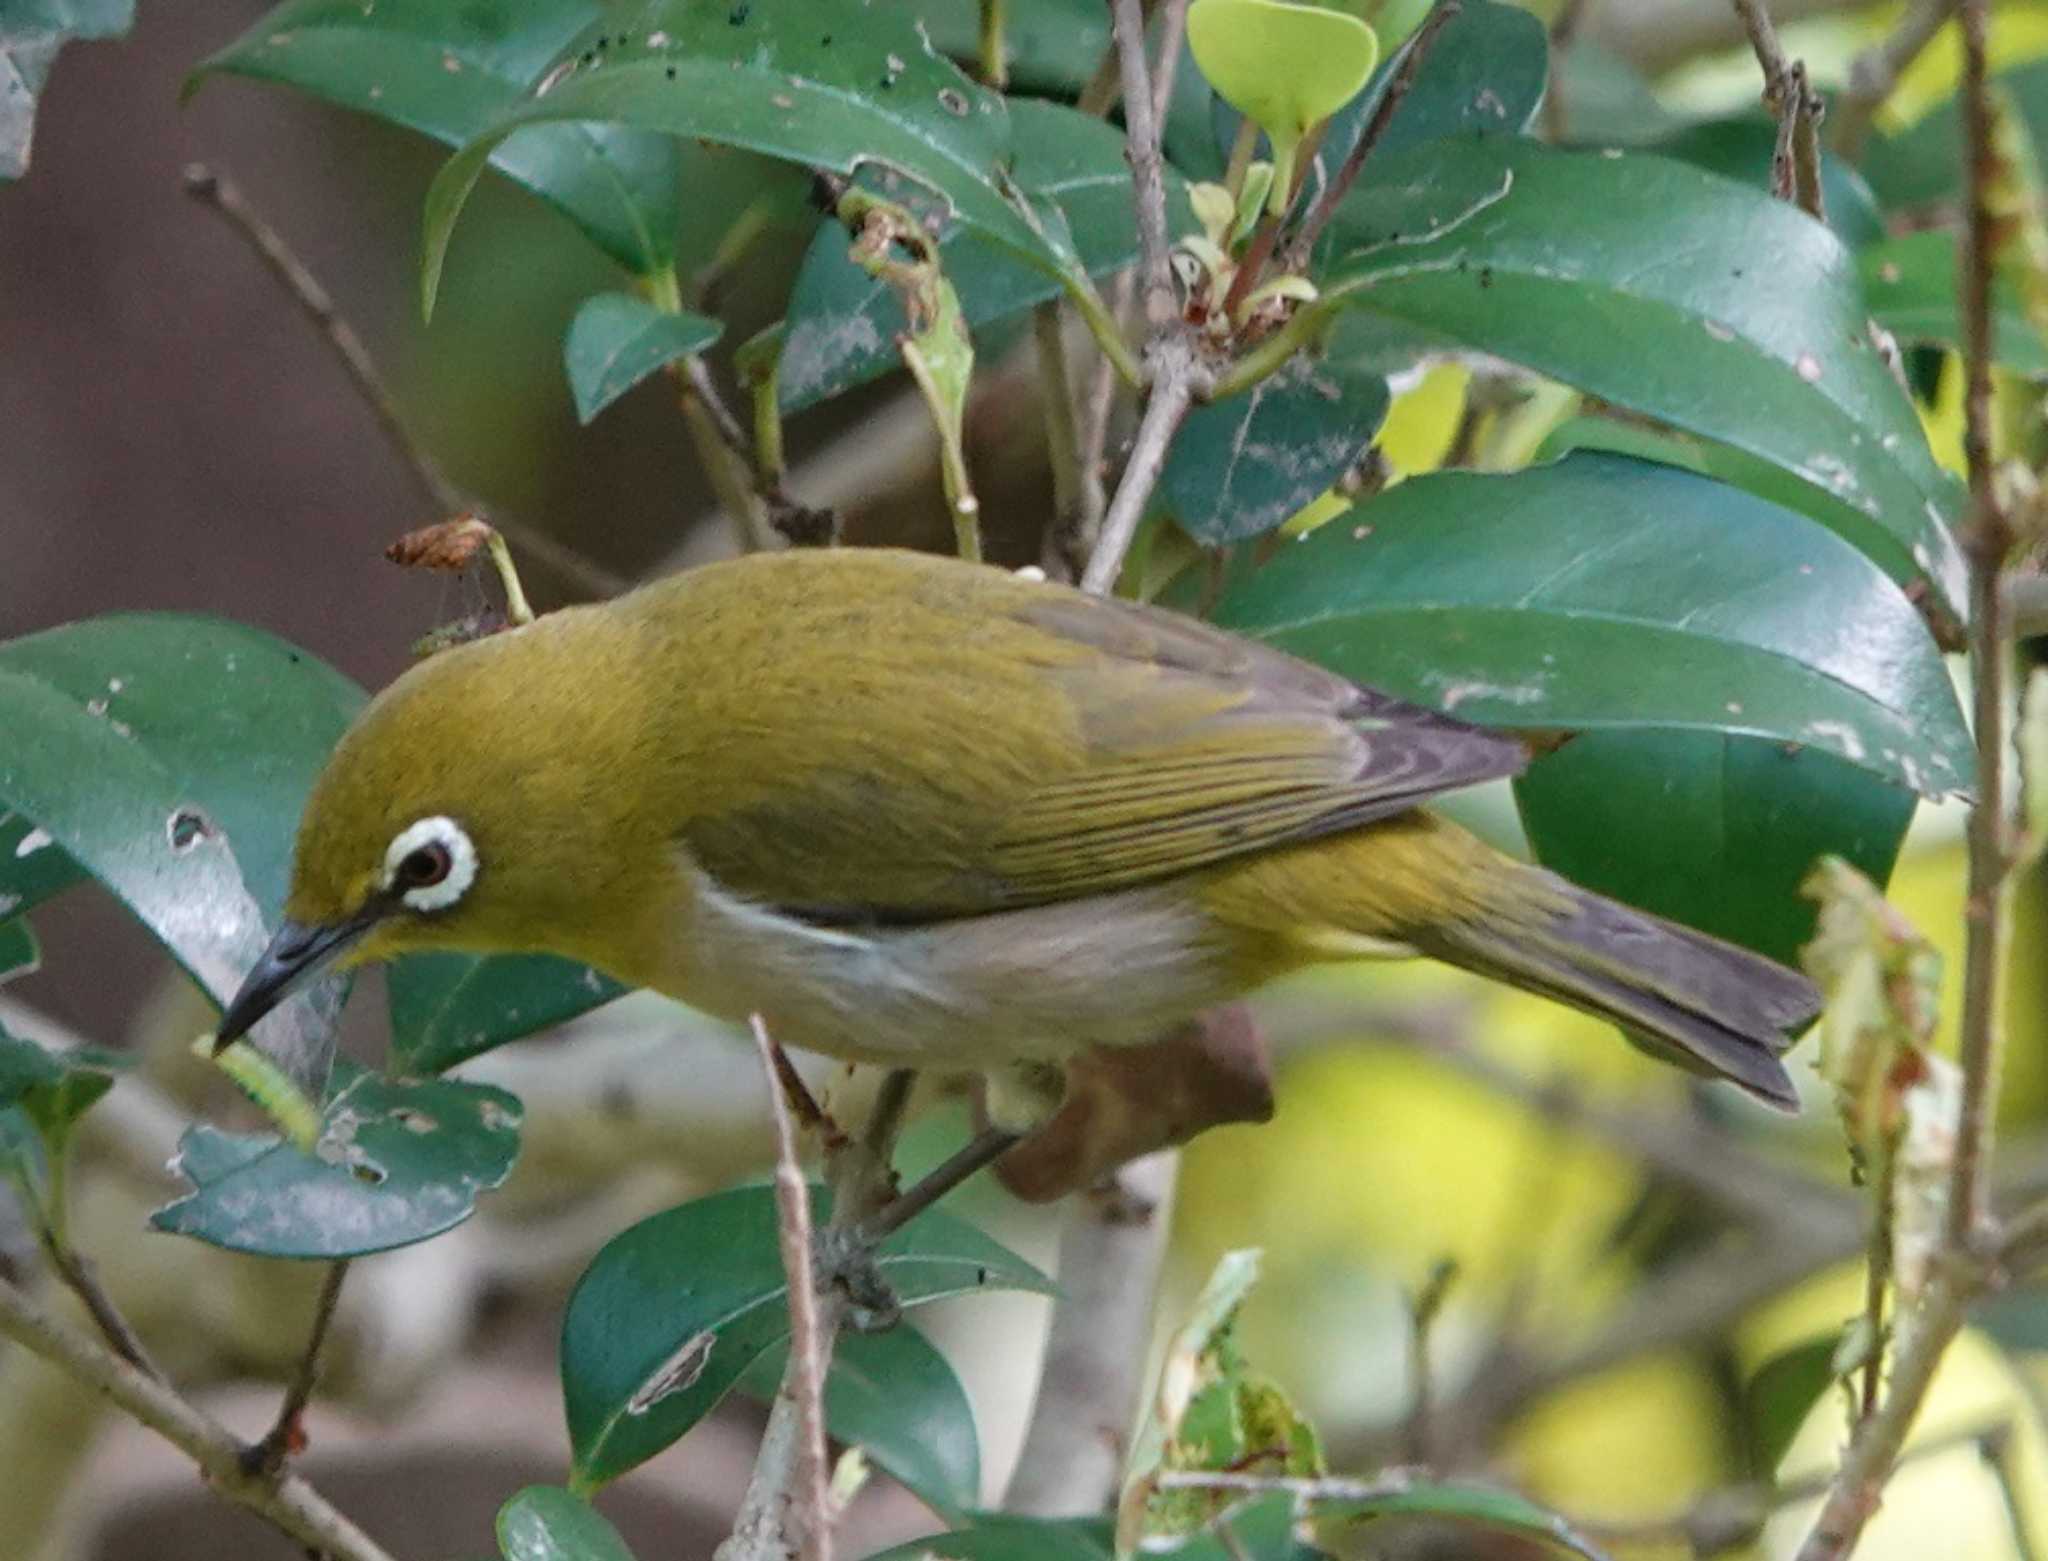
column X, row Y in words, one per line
column 1415, row 51
column 83, row 1281
column 1966, row 1265
column 1177, row 374
column 1876, row 72
column 220, row 195
column 1112, row 1243
column 1789, row 95
column 288, row 1504
column 1148, row 180
column 267, row 1457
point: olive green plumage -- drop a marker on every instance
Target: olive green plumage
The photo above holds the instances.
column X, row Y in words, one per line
column 916, row 810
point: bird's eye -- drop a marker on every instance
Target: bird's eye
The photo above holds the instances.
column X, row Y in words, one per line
column 425, row 867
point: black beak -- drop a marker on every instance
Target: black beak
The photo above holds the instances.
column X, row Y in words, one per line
column 295, row 956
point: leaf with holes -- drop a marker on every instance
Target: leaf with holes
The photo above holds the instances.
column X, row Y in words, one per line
column 617, row 340
column 1604, row 593
column 30, row 37
column 168, row 757
column 547, row 1523
column 450, row 72
column 832, row 84
column 893, row 1395
column 1910, row 282
column 446, row 1008
column 1557, row 272
column 842, row 323
column 672, row 1312
column 1241, row 466
column 397, row 1161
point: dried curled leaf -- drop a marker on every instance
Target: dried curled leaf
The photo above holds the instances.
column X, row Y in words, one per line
column 451, row 544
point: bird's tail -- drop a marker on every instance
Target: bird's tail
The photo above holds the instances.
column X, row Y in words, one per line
column 1706, row 1004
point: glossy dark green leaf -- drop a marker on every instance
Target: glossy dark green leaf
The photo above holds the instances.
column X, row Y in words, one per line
column 1777, row 1400
column 450, row 72
column 997, row 1536
column 1742, row 148
column 842, row 323
column 1608, row 593
column 675, row 1309
column 1484, row 75
column 446, row 1008
column 617, row 340
column 1910, row 282
column 1470, row 1506
column 1717, row 832
column 20, row 954
column 1922, row 166
column 1240, row 467
column 31, row 34
column 169, row 756
column 397, row 1161
column 33, row 867
column 547, row 1523
column 894, row 1395
column 43, row 1093
column 1556, row 269
column 831, row 84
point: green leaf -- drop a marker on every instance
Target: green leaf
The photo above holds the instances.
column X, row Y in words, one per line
column 547, row 1523
column 1777, row 1400
column 1670, row 447
column 450, row 72
column 843, row 322
column 31, row 34
column 1742, row 148
column 1485, row 74
column 1242, row 466
column 997, row 1536
column 447, row 1008
column 1922, row 166
column 20, row 954
column 1713, row 831
column 1467, row 1505
column 169, row 756
column 1052, row 46
column 1557, row 270
column 894, row 1395
column 397, row 1161
column 1608, row 593
column 831, row 84
column 1910, row 283
column 43, row 1093
column 672, row 1312
column 617, row 340
column 33, row 868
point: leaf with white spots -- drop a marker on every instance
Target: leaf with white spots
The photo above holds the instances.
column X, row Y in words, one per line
column 673, row 1311
column 397, row 1161
column 1734, row 316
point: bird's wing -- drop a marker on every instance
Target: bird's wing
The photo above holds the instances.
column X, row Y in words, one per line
column 1066, row 745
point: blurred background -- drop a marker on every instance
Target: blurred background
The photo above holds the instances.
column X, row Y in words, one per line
column 174, row 435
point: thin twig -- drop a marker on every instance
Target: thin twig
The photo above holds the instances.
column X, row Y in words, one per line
column 1422, row 1315
column 83, row 1281
column 1112, row 1244
column 1062, row 552
column 1148, row 181
column 1096, row 413
column 1966, row 1264
column 267, row 1457
column 289, row 1503
column 995, row 53
column 1414, row 53
column 808, row 1347
column 1790, row 97
column 1175, row 376
column 219, row 194
column 1876, row 72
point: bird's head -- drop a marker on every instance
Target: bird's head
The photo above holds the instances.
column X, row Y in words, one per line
column 469, row 808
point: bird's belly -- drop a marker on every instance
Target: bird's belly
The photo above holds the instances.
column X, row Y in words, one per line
column 1033, row 984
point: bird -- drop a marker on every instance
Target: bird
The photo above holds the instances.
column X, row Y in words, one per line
column 926, row 813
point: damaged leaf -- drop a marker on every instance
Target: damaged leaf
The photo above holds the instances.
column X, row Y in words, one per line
column 673, row 1311
column 396, row 1161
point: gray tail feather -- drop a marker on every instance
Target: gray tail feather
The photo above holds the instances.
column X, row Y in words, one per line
column 1709, row 1005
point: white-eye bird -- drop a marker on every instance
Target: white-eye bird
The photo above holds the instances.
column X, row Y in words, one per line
column 925, row 813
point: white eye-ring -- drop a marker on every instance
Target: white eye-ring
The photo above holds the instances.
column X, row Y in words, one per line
column 431, row 864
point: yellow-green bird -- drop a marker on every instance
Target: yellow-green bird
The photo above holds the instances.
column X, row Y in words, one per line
column 926, row 813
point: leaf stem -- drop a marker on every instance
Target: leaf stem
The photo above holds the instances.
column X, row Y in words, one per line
column 995, row 60
column 267, row 1457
